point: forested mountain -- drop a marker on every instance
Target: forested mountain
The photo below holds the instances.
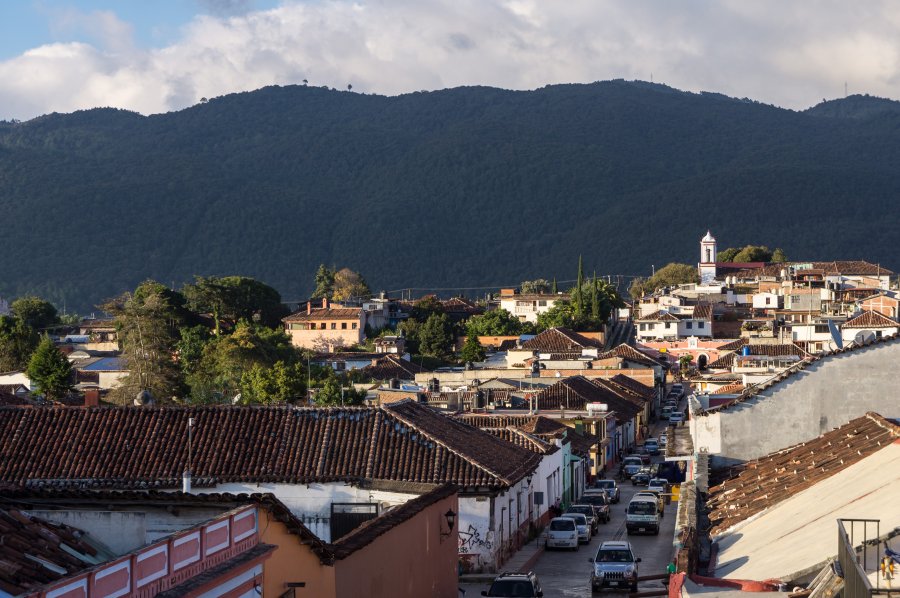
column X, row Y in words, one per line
column 461, row 187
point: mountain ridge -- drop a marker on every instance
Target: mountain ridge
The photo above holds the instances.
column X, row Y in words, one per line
column 470, row 186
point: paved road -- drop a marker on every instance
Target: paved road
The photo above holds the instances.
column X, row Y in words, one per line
column 566, row 574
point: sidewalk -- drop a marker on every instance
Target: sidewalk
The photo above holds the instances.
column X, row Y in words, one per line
column 521, row 562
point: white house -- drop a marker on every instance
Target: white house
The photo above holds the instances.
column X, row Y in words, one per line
column 867, row 326
column 527, row 307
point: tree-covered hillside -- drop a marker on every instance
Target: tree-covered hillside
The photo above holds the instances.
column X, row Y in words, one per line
column 461, row 187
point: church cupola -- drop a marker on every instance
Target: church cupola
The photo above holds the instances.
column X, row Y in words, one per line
column 707, row 265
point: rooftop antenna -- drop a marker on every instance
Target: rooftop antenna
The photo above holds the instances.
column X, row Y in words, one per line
column 845, row 89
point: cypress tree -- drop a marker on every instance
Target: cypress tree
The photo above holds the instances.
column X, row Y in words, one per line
column 579, row 301
column 595, row 299
column 553, row 289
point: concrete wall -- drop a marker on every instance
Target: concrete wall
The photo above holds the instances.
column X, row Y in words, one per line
column 312, row 503
column 827, row 394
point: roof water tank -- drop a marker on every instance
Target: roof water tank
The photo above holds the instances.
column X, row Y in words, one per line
column 745, row 350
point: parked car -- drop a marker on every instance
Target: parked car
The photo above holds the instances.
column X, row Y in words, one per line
column 614, row 567
column 651, row 446
column 677, row 388
column 631, row 465
column 582, row 525
column 524, row 585
column 562, row 533
column 676, row 418
column 599, row 501
column 663, row 439
column 611, row 488
column 661, row 486
column 665, row 413
column 588, row 511
column 641, row 478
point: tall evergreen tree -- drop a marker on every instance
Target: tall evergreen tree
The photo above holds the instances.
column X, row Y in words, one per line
column 595, row 299
column 50, row 370
column 579, row 301
column 472, row 349
column 554, row 289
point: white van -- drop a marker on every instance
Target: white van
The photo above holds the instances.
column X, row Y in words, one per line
column 642, row 515
column 562, row 533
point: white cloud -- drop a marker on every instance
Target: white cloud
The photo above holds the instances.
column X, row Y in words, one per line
column 790, row 54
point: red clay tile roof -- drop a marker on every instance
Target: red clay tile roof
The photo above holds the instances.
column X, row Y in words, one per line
column 389, row 367
column 733, row 345
column 657, row 316
column 330, row 313
column 763, row 483
column 634, row 386
column 703, row 311
column 12, row 400
column 537, row 425
column 25, row 537
column 845, row 267
column 629, row 353
column 577, row 391
column 559, row 340
column 870, row 319
column 780, row 350
column 729, row 389
column 127, row 447
column 523, row 439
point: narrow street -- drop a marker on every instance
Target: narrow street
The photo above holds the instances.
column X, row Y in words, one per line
column 566, row 574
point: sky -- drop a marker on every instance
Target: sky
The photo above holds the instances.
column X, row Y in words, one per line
column 156, row 56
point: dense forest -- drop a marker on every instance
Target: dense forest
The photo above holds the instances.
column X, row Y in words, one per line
column 463, row 187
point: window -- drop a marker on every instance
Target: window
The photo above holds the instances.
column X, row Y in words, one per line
column 821, row 328
column 542, row 303
column 334, row 325
column 322, row 326
column 689, row 325
column 768, row 301
column 701, row 324
column 354, row 326
column 668, row 325
column 343, row 325
column 643, row 327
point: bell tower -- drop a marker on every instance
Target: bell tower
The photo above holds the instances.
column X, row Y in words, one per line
column 707, row 266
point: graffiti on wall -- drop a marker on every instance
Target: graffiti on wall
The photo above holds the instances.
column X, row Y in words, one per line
column 471, row 540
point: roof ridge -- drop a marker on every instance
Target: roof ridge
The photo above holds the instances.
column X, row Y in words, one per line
column 885, row 423
column 443, row 444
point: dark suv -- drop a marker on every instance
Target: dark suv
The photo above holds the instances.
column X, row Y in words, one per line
column 515, row 585
column 615, row 567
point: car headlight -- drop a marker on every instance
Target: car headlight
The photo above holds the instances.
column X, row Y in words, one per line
column 572, row 536
column 629, row 571
column 598, row 572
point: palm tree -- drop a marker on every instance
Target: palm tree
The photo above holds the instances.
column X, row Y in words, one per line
column 305, row 82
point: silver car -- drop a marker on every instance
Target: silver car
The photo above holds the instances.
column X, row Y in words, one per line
column 582, row 525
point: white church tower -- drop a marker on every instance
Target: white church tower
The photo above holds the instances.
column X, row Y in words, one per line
column 707, row 264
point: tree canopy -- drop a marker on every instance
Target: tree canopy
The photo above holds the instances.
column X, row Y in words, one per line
column 50, row 370
column 670, row 275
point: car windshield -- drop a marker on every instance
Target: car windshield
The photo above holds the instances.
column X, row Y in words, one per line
column 512, row 588
column 642, row 508
column 605, row 484
column 586, row 511
column 614, row 556
column 594, row 499
column 632, row 460
column 578, row 517
column 562, row 525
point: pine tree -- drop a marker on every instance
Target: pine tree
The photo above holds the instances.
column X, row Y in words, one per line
column 554, row 288
column 472, row 349
column 595, row 299
column 50, row 370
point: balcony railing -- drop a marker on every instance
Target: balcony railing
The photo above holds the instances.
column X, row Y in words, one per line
column 860, row 549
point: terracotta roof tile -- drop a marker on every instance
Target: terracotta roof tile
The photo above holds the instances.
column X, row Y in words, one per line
column 779, row 350
column 871, row 319
column 577, row 391
column 389, row 367
column 729, row 389
column 329, row 313
column 658, row 316
column 634, row 386
column 559, row 340
column 625, row 351
column 125, row 447
column 763, row 483
column 523, row 439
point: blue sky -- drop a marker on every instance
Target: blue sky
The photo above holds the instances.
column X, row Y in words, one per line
column 27, row 24
column 155, row 56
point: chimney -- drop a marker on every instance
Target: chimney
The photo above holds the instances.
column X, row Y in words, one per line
column 324, row 302
column 92, row 397
column 186, row 482
column 308, row 307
